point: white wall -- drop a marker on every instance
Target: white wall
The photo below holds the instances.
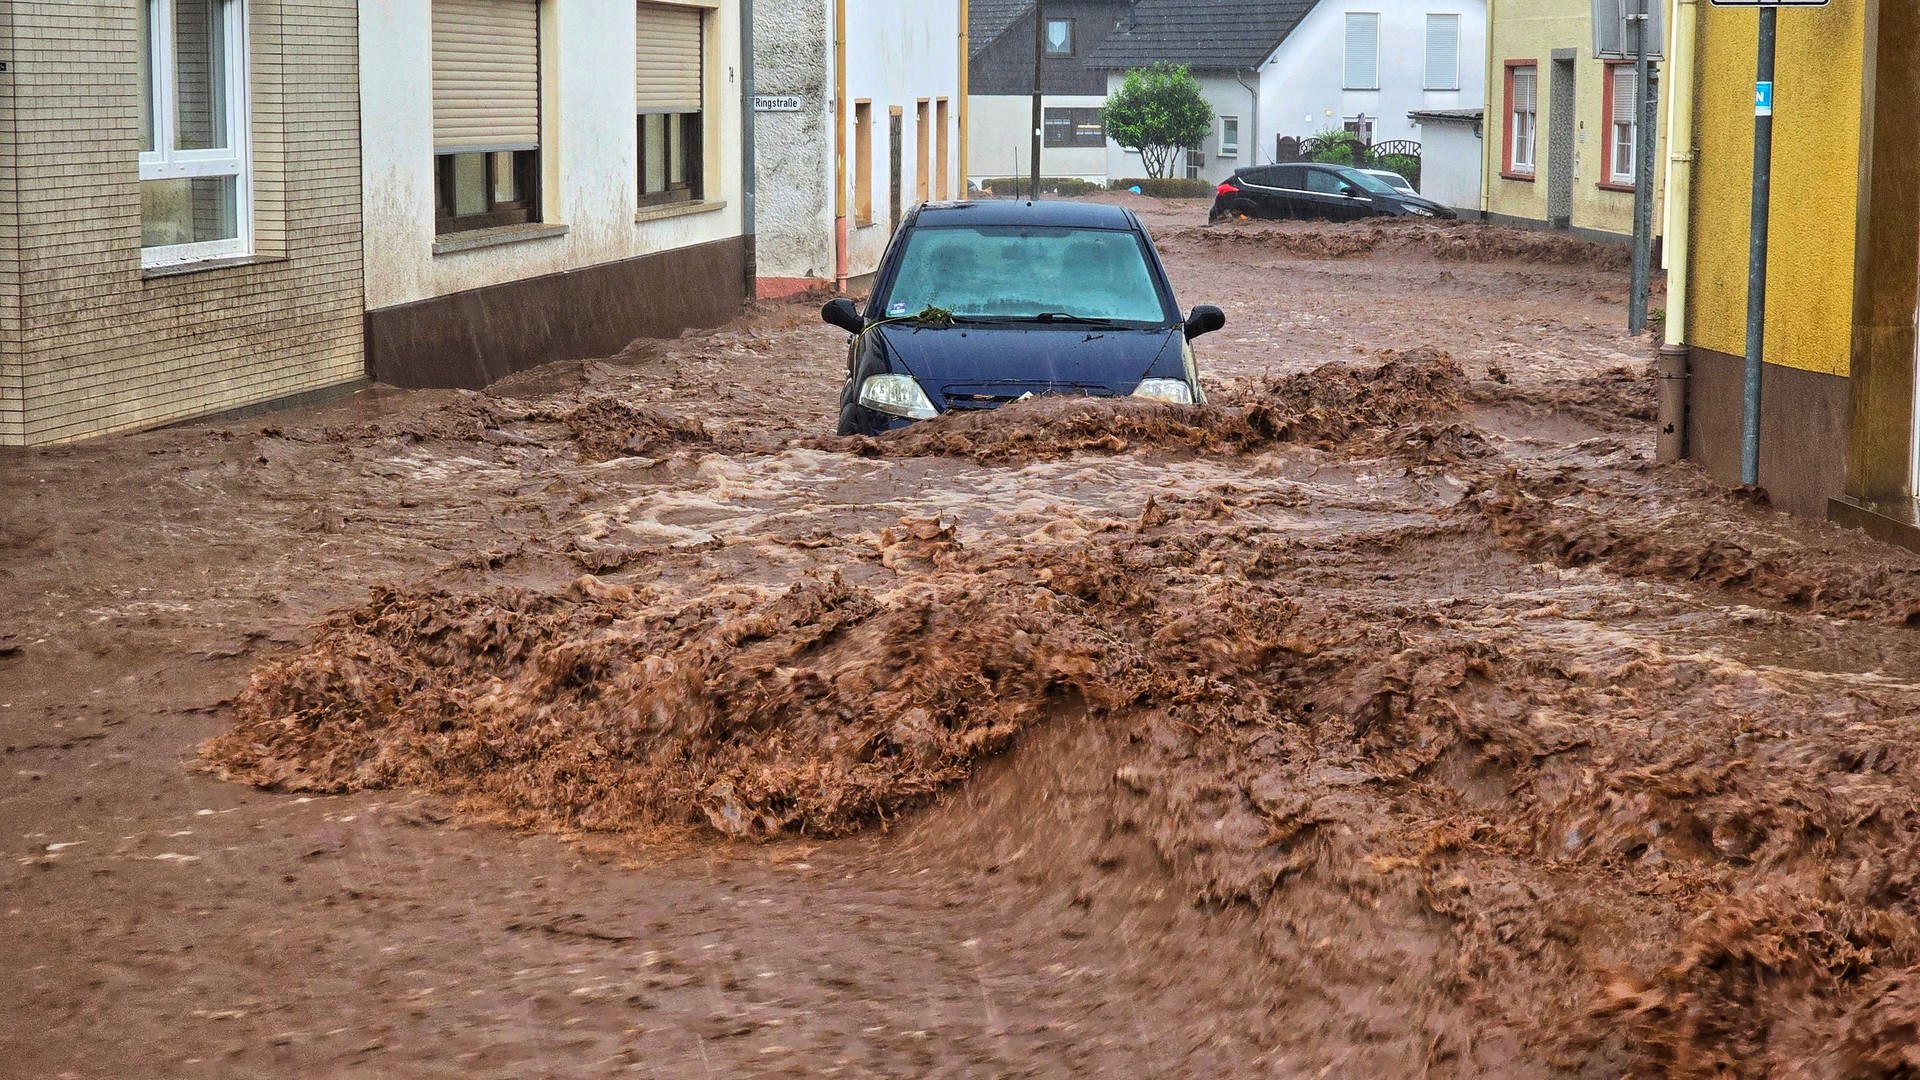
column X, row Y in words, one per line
column 1450, row 162
column 793, row 151
column 1300, row 86
column 1000, row 139
column 1226, row 96
column 589, row 150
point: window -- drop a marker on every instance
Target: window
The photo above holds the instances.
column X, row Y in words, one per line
column 1196, row 164
column 1623, row 123
column 1362, row 69
column 1443, row 52
column 1322, row 182
column 486, row 113
column 1229, row 136
column 1059, row 38
column 669, row 67
column 863, row 162
column 1073, row 127
column 1362, row 126
column 942, row 160
column 195, row 183
column 1523, row 104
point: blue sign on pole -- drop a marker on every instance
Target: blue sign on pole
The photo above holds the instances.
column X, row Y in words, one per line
column 1763, row 99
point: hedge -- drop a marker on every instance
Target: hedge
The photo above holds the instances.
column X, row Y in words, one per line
column 1178, row 187
column 1016, row 187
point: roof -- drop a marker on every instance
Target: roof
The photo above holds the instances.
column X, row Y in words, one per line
column 1458, row 116
column 1073, row 213
column 988, row 19
column 1205, row 35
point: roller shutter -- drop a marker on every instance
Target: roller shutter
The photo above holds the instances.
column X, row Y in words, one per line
column 1443, row 52
column 486, row 75
column 667, row 69
column 1363, row 51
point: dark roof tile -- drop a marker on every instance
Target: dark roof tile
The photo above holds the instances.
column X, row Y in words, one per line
column 1205, row 35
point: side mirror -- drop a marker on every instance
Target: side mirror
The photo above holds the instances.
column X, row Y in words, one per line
column 1347, row 190
column 1205, row 320
column 843, row 314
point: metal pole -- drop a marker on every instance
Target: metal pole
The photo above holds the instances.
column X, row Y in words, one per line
column 1039, row 50
column 1643, row 140
column 1757, row 250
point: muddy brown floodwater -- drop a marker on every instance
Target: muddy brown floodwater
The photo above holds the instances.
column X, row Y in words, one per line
column 1392, row 715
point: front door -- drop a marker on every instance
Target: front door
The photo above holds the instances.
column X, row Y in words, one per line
column 894, row 152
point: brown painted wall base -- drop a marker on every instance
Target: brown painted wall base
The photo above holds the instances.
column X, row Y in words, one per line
column 470, row 339
column 1803, row 429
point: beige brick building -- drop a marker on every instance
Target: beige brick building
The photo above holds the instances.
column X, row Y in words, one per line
column 180, row 223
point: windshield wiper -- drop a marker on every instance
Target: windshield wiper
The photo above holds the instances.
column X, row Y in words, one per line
column 1068, row 317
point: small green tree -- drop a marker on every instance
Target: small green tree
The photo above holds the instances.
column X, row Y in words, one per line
column 1159, row 112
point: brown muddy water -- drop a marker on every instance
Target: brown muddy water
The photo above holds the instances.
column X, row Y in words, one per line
column 1392, row 715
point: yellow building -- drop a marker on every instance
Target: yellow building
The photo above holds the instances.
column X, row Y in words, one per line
column 1561, row 124
column 1837, row 435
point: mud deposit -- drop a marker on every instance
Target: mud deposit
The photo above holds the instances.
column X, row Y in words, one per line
column 1390, row 715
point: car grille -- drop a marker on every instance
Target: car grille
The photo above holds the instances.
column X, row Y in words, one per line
column 994, row 395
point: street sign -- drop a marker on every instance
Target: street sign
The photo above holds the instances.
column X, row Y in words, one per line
column 776, row 103
column 1763, row 99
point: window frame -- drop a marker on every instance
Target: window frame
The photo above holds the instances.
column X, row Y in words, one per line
column 1046, row 40
column 1229, row 149
column 1612, row 178
column 862, row 162
column 1346, row 58
column 692, row 149
column 1426, row 82
column 1071, row 117
column 1512, row 168
column 166, row 162
column 522, row 211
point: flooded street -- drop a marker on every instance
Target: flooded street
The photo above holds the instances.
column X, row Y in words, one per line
column 1392, row 715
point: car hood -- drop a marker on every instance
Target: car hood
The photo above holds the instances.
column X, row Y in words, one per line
column 1042, row 359
column 1424, row 203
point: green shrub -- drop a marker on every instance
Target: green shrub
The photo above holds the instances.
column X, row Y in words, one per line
column 1016, row 187
column 1177, row 187
column 1158, row 112
column 1405, row 164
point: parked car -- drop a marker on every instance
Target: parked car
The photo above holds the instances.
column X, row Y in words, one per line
column 1393, row 180
column 1308, row 190
column 977, row 304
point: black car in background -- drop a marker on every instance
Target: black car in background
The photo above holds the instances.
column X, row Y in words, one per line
column 1319, row 192
column 982, row 303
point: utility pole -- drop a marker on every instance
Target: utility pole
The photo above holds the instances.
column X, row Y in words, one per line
column 1757, row 249
column 1645, row 124
column 1039, row 51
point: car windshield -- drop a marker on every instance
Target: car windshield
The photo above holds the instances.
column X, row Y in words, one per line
column 1368, row 182
column 1026, row 272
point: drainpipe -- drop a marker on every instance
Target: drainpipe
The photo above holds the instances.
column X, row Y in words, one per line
column 749, row 186
column 1253, row 95
column 1670, row 443
column 964, row 61
column 1496, row 97
column 840, row 145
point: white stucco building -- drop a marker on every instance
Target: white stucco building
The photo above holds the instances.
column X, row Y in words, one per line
column 851, row 129
column 546, row 179
column 1293, row 69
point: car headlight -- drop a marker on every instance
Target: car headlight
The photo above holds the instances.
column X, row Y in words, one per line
column 1175, row 391
column 896, row 395
column 1419, row 211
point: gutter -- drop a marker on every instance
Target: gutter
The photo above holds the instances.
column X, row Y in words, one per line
column 749, row 124
column 840, row 145
column 961, row 192
column 1671, row 367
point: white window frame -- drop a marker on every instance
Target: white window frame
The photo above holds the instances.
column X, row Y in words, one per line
column 1453, row 82
column 1524, row 133
column 1229, row 149
column 1346, row 57
column 1630, row 120
column 165, row 162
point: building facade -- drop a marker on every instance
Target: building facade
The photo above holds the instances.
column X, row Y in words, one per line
column 546, row 180
column 861, row 117
column 181, row 232
column 1000, row 88
column 1561, row 126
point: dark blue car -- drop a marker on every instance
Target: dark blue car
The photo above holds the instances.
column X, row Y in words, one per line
column 977, row 304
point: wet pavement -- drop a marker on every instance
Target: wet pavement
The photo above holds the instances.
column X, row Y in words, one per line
column 1392, row 715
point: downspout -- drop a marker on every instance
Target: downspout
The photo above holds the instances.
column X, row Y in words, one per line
column 1670, row 442
column 840, row 145
column 1496, row 93
column 964, row 73
column 749, row 122
column 1253, row 95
